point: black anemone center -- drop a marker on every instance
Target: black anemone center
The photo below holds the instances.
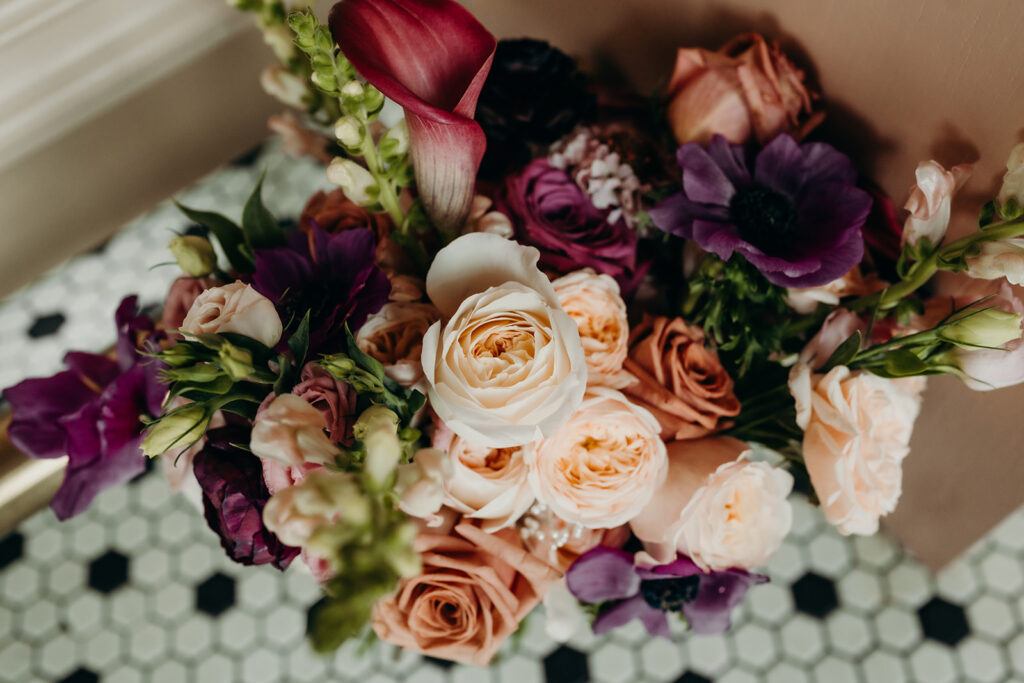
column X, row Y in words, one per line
column 765, row 218
column 669, row 594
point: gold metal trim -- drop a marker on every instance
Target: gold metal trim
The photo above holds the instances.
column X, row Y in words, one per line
column 26, row 485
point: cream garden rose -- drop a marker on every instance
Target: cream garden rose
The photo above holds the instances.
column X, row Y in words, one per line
column 506, row 367
column 594, row 302
column 857, row 429
column 237, row 308
column 717, row 507
column 489, row 484
column 601, row 468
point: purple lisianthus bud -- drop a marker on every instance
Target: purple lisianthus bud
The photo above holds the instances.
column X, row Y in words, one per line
column 234, row 495
column 549, row 211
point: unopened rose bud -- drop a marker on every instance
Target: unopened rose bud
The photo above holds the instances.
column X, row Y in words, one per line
column 989, row 328
column 356, row 182
column 349, row 131
column 194, row 254
column 178, row 429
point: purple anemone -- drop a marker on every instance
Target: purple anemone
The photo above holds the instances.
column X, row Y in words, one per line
column 92, row 413
column 796, row 216
column 609, row 577
column 334, row 277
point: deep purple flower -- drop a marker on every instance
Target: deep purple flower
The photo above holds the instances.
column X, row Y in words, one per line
column 234, row 494
column 332, row 276
column 91, row 413
column 549, row 211
column 797, row 217
column 608, row 576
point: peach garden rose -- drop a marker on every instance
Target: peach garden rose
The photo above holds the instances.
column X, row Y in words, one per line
column 505, row 367
column 394, row 336
column 600, row 469
column 594, row 302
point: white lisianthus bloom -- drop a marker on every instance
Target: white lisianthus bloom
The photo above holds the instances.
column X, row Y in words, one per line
column 237, row 308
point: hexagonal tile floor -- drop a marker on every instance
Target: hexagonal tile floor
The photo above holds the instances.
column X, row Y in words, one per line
column 138, row 589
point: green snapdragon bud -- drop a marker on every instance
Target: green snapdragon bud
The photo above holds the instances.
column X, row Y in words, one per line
column 194, row 254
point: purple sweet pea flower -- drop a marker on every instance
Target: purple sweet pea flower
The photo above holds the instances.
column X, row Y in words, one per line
column 234, row 494
column 797, row 217
column 335, row 277
column 608, row 575
column 550, row 212
column 92, row 413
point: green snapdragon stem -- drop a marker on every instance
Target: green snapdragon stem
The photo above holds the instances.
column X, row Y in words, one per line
column 388, row 199
column 922, row 271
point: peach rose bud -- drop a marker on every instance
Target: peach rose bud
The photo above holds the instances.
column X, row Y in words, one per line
column 678, row 379
column 291, row 431
column 748, row 89
column 717, row 507
column 601, row 467
column 594, row 303
column 237, row 308
column 930, row 201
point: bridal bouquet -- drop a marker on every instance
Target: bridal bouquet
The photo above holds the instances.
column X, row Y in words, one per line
column 548, row 341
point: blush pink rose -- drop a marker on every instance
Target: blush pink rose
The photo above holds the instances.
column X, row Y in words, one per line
column 601, row 467
column 335, row 400
column 474, row 590
column 717, row 507
column 237, row 308
column 746, row 90
column 489, row 484
column 594, row 303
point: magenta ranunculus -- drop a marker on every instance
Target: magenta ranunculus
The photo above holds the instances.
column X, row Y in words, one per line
column 608, row 577
column 92, row 413
column 234, row 494
column 790, row 210
column 550, row 211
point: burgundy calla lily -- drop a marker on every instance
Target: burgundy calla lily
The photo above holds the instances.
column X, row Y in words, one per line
column 431, row 57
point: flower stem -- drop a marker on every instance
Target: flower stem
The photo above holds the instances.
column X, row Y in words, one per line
column 922, row 271
column 388, row 198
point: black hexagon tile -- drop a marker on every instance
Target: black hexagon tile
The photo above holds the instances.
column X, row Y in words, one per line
column 943, row 621
column 81, row 675
column 11, row 548
column 108, row 572
column 46, row 325
column 215, row 595
column 566, row 665
column 815, row 595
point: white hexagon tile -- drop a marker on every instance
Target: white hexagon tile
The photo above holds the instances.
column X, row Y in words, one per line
column 137, row 589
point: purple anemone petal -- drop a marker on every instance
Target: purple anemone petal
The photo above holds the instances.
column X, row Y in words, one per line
column 676, row 214
column 682, row 566
column 718, row 239
column 718, row 593
column 703, row 180
column 826, row 164
column 730, row 159
column 832, row 264
column 780, row 166
column 603, row 574
column 654, row 620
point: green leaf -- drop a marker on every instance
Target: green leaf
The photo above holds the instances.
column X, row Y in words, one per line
column 299, row 342
column 987, row 215
column 846, row 352
column 229, row 235
column 262, row 231
column 363, row 360
column 902, row 363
